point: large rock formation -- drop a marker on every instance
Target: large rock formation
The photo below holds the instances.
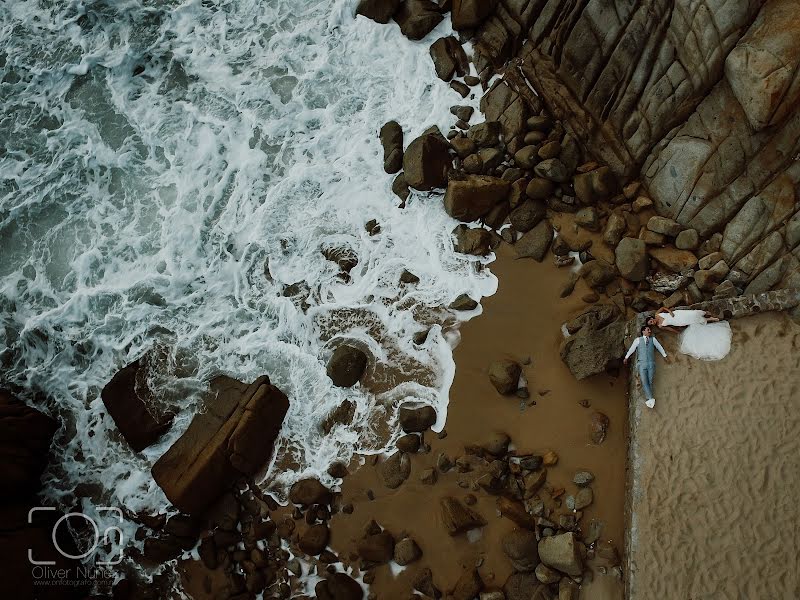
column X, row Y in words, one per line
column 231, row 437
column 127, row 399
column 25, row 437
column 700, row 99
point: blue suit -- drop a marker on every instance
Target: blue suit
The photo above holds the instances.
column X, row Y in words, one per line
column 645, row 360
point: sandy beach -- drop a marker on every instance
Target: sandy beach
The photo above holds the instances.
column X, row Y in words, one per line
column 521, row 320
column 713, row 504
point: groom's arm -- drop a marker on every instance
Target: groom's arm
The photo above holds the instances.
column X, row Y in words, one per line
column 631, row 349
column 659, row 347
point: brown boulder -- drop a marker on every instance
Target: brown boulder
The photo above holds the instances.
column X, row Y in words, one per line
column 631, row 259
column 395, row 470
column 595, row 185
column 391, row 136
column 476, row 241
column 561, row 552
column 347, row 365
column 127, row 400
column 673, row 259
column 232, row 437
column 525, row 586
column 315, row 539
column 426, row 162
column 527, row 215
column 468, row 14
column 378, row 10
column 307, row 492
column 468, row 585
column 339, row 586
column 593, row 351
column 416, row 420
column 520, row 546
column 504, row 375
column 457, row 518
column 377, row 548
column 535, row 243
column 449, row 58
column 417, row 18
column 471, row 198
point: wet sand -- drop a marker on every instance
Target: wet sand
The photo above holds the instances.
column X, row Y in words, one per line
column 714, row 497
column 521, row 320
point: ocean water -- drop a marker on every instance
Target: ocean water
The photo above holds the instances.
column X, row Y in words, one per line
column 167, row 170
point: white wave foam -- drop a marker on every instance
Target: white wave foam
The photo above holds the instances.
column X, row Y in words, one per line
column 178, row 203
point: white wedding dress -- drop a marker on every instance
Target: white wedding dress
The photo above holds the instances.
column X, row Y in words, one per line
column 706, row 341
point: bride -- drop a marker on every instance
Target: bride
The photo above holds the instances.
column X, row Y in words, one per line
column 704, row 337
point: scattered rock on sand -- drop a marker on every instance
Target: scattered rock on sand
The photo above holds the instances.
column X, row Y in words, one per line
column 395, row 470
column 416, row 420
column 377, row 548
column 315, row 539
column 457, row 518
column 525, row 586
column 339, row 586
column 307, row 492
column 583, row 498
column 582, row 478
column 468, row 585
column 504, row 375
column 535, row 243
column 423, row 582
column 408, row 443
column 561, row 552
column 521, row 548
column 346, row 365
column 406, row 551
column 598, row 427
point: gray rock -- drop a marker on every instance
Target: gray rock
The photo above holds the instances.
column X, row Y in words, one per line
column 615, row 229
column 688, row 239
column 588, row 219
column 631, row 259
column 561, row 552
column 485, row 134
column 547, row 575
column 395, row 470
column 527, row 215
column 664, row 226
column 583, row 498
column 535, row 243
column 521, row 548
column 582, row 478
column 552, row 169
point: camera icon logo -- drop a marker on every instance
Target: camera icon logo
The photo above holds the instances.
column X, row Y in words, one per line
column 106, row 538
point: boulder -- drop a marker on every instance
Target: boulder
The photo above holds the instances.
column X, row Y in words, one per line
column 468, row 585
column 597, row 273
column 486, row 134
column 664, row 226
column 521, row 548
column 339, row 586
column 406, row 551
column 525, row 586
column 463, row 146
column 315, row 539
column 515, row 511
column 391, row 136
column 632, row 260
column 594, row 186
column 527, row 157
column 130, row 404
column 561, row 552
column 504, row 375
column 395, row 470
column 231, row 438
column 593, row 351
column 347, row 365
column 426, row 162
column 416, row 420
column 673, row 259
column 535, row 243
column 378, row 10
column 408, row 443
column 527, row 215
column 471, row 198
column 463, row 302
column 615, row 229
column 540, row 189
column 476, row 241
column 377, row 548
column 598, row 427
column 552, row 169
column 417, row 18
column 468, row 14
column 449, row 58
column 457, row 518
column 423, row 582
column 588, row 218
column 400, row 187
column 547, row 575
column 308, row 492
column 582, row 478
column 688, row 239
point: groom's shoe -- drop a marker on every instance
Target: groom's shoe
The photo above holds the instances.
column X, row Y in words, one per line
column 650, row 403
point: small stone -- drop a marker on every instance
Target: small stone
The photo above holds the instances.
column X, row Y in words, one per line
column 549, row 458
column 590, row 298
column 443, row 462
column 463, row 303
column 583, row 498
column 463, row 113
column 504, row 375
column 582, row 478
column 641, row 203
column 406, row 551
column 471, row 80
column 460, row 88
column 408, row 443
column 470, row 500
column 687, row 239
column 547, row 575
column 549, row 150
column 428, row 476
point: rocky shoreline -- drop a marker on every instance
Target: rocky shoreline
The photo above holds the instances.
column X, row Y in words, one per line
column 555, row 172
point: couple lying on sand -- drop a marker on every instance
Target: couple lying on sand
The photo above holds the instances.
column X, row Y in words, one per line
column 703, row 336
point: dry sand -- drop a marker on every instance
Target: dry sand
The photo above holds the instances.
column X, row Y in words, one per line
column 714, row 502
column 522, row 320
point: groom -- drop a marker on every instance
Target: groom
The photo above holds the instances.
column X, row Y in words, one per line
column 645, row 347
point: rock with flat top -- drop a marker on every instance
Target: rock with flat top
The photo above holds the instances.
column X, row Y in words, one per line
column 457, row 518
column 521, row 548
column 472, row 197
column 379, row 11
column 561, row 552
column 426, row 162
column 504, row 375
